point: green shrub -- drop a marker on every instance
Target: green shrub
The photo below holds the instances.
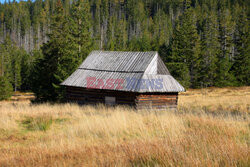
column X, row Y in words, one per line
column 5, row 88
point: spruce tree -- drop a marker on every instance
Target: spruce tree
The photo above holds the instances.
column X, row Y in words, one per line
column 6, row 48
column 26, row 65
column 5, row 64
column 209, row 50
column 224, row 76
column 58, row 62
column 110, row 37
column 5, row 88
column 79, row 24
column 16, row 69
column 186, row 46
column 11, row 62
column 241, row 65
column 120, row 34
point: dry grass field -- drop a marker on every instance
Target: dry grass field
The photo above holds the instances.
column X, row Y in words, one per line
column 210, row 128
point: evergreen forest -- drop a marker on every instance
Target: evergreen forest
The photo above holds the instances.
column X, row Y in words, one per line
column 204, row 43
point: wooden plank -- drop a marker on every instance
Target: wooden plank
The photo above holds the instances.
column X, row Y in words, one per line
column 156, row 102
column 156, row 96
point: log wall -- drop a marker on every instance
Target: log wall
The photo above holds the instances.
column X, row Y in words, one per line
column 137, row 100
column 94, row 96
column 157, row 101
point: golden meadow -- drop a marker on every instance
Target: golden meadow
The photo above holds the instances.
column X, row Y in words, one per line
column 210, row 128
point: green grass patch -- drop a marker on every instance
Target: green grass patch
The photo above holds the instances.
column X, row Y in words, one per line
column 41, row 123
column 37, row 123
column 60, row 120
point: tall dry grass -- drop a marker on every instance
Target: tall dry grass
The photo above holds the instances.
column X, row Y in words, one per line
column 234, row 100
column 197, row 134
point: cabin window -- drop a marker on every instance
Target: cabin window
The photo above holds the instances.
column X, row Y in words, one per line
column 109, row 100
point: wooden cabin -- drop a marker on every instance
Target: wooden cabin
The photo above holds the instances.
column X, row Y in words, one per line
column 138, row 79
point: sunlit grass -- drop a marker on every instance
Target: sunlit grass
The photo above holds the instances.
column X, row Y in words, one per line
column 199, row 133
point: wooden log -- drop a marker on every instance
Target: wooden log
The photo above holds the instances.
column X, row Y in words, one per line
column 139, row 100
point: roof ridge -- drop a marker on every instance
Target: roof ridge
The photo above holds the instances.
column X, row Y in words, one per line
column 111, row 70
column 124, row 51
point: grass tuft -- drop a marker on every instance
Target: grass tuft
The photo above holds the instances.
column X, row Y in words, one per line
column 37, row 123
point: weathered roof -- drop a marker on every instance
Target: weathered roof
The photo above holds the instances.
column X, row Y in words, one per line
column 135, row 72
column 118, row 61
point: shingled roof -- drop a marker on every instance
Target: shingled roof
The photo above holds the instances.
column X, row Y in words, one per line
column 141, row 67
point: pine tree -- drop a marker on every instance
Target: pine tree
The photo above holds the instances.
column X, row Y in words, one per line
column 11, row 62
column 26, row 67
column 186, row 46
column 120, row 34
column 5, row 64
column 241, row 65
column 97, row 24
column 5, row 88
column 162, row 30
column 5, row 49
column 16, row 69
column 58, row 61
column 224, row 77
column 209, row 50
column 110, row 37
column 79, row 23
